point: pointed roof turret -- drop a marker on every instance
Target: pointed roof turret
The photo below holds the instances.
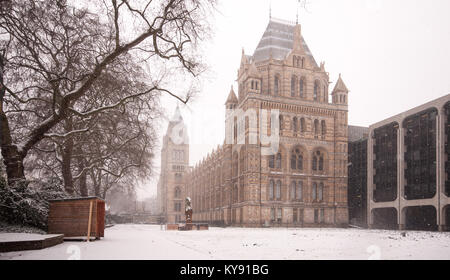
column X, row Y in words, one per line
column 253, row 71
column 279, row 39
column 297, row 43
column 340, row 86
column 231, row 97
column 177, row 115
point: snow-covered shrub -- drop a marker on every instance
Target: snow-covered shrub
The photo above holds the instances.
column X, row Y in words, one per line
column 26, row 203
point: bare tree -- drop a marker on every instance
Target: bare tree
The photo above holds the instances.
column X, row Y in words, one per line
column 54, row 55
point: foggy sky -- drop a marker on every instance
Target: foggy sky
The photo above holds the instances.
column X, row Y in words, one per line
column 393, row 55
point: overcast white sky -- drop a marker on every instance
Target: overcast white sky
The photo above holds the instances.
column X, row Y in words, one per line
column 393, row 55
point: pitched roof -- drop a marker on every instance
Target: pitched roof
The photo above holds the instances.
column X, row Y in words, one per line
column 231, row 97
column 277, row 42
column 340, row 86
column 177, row 115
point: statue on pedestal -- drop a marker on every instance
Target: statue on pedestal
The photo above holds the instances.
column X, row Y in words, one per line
column 188, row 210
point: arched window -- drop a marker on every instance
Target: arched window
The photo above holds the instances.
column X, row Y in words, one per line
column 299, row 192
column 320, row 192
column 272, row 161
column 320, row 163
column 314, row 191
column 316, row 126
column 252, row 85
column 293, row 85
column 276, row 90
column 271, row 189
column 278, row 190
column 235, row 164
column 235, row 193
column 314, row 163
column 293, row 189
column 302, row 87
column 317, row 162
column 302, row 125
column 303, row 62
column 295, row 125
column 177, row 192
column 280, row 124
column 242, row 161
column 296, row 159
column 278, row 162
column 293, row 162
column 300, row 162
column 324, row 127
column 316, row 90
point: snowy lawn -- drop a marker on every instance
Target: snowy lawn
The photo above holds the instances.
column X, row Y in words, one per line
column 149, row 242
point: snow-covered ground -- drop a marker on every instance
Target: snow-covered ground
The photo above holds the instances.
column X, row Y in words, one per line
column 12, row 236
column 150, row 242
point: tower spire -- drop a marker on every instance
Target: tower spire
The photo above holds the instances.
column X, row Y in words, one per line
column 296, row 16
column 270, row 10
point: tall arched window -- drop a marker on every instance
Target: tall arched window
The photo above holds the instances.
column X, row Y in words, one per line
column 321, row 163
column 272, row 161
column 293, row 85
column 235, row 193
column 324, row 127
column 235, row 164
column 314, row 163
column 302, row 125
column 317, row 161
column 271, row 189
column 314, row 191
column 320, row 192
column 278, row 161
column 177, row 192
column 302, row 87
column 278, row 190
column 293, row 189
column 316, row 126
column 296, row 159
column 280, row 124
column 295, row 125
column 299, row 192
column 316, row 90
column 242, row 161
column 276, row 89
column 293, row 162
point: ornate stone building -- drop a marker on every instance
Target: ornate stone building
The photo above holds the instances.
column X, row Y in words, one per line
column 171, row 189
column 303, row 180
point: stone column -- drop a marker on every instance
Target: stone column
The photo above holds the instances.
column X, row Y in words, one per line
column 370, row 158
column 440, row 166
column 400, row 175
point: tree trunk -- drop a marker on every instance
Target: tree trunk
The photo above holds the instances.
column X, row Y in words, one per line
column 66, row 165
column 83, row 176
column 10, row 153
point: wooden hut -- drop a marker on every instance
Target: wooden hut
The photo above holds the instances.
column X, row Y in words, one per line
column 77, row 217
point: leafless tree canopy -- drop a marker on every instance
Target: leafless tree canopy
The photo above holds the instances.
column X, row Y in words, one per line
column 80, row 83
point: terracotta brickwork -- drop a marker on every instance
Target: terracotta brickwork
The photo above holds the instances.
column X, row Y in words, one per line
column 304, row 183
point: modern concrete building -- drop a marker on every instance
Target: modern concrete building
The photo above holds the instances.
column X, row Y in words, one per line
column 408, row 184
column 357, row 175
